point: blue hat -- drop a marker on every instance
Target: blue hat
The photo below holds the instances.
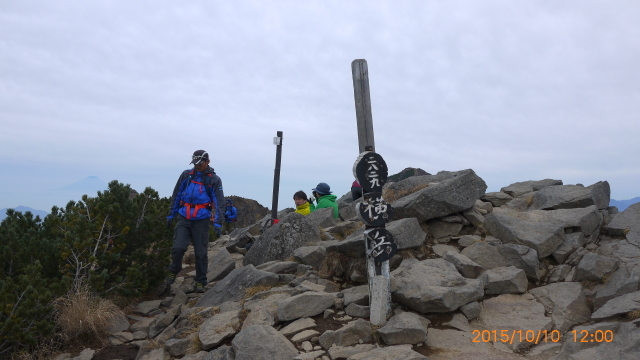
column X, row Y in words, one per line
column 322, row 189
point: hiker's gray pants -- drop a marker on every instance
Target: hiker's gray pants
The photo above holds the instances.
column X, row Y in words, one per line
column 196, row 232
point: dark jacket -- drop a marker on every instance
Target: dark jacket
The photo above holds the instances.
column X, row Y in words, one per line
column 198, row 196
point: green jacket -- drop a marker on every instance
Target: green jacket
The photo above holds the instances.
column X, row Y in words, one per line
column 328, row 201
column 305, row 209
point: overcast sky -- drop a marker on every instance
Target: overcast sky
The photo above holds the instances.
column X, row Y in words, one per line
column 127, row 90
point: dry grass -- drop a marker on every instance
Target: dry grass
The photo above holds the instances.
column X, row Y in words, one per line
column 529, row 201
column 249, row 292
column 83, row 316
column 391, row 195
column 339, row 265
column 635, row 314
column 46, row 350
column 195, row 345
column 190, row 258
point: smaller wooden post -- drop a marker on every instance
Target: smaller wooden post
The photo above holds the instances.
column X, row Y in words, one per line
column 360, row 73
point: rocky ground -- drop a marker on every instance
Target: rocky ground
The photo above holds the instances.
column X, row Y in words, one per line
column 539, row 270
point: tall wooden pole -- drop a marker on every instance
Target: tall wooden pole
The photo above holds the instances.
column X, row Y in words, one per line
column 360, row 73
column 276, row 175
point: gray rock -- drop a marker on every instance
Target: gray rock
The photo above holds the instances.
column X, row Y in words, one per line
column 434, row 285
column 621, row 282
column 146, row 307
column 156, row 354
column 523, row 187
column 322, row 218
column 572, row 196
column 463, row 264
column 279, row 267
column 268, row 301
column 624, row 345
column 343, row 352
column 352, row 246
column 620, row 305
column 231, row 287
column 220, row 265
column 471, row 310
column 407, row 233
column 505, row 280
column 491, row 256
column 586, row 220
column 297, row 326
column 404, row 328
column 439, row 249
column 259, row 317
column 350, row 334
column 304, row 305
column 222, row 352
column 142, row 325
column 280, row 240
column 243, row 238
column 536, row 229
column 497, row 198
column 474, row 216
column 119, row 338
column 163, row 321
column 179, row 298
column 310, row 255
column 117, row 324
column 445, row 193
column 468, row 240
column 559, row 273
column 356, row 294
column 460, row 322
column 260, row 342
column 304, row 335
column 355, row 310
column 178, row 347
column 571, row 242
column 593, row 267
column 566, row 302
column 514, row 312
column 389, row 353
column 443, row 229
column 218, row 328
column 623, row 222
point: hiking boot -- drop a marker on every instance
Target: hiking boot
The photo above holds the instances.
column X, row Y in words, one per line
column 171, row 278
column 199, row 288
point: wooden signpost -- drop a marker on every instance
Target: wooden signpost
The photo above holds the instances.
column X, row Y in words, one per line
column 370, row 170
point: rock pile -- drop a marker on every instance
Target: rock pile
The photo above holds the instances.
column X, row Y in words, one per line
column 539, row 270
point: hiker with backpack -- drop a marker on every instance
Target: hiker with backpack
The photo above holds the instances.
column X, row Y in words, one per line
column 230, row 217
column 196, row 203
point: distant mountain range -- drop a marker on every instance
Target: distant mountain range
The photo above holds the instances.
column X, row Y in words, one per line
column 623, row 204
column 24, row 209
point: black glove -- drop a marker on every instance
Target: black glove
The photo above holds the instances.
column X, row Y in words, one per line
column 169, row 222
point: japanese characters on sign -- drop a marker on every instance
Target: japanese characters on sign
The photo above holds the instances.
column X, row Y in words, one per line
column 373, row 210
column 380, row 244
column 371, row 171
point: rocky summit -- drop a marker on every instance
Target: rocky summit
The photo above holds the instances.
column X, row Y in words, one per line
column 539, row 270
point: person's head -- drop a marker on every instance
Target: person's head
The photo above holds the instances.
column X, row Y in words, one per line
column 321, row 189
column 299, row 198
column 229, row 202
column 200, row 160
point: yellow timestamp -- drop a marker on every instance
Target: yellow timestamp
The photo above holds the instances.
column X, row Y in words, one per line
column 540, row 336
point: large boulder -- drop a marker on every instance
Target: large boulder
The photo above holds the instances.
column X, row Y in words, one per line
column 566, row 302
column 404, row 328
column 434, row 285
column 220, row 265
column 572, row 196
column 493, row 255
column 434, row 196
column 536, row 229
column 523, row 187
column 627, row 224
column 280, row 240
column 232, row 287
column 262, row 342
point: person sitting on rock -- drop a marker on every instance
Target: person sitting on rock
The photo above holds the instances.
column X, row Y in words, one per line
column 303, row 205
column 325, row 199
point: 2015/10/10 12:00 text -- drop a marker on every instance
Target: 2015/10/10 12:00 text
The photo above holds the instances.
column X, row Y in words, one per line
column 540, row 336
